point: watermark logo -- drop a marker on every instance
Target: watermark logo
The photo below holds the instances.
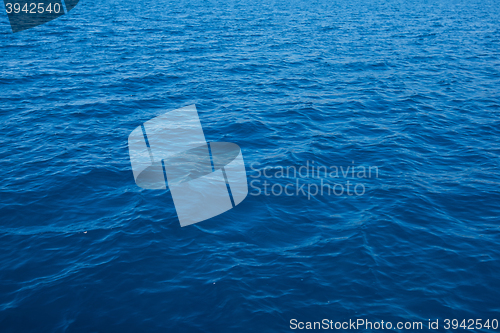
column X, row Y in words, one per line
column 26, row 14
column 311, row 179
column 205, row 179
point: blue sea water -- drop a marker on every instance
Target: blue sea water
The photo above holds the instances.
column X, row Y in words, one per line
column 411, row 87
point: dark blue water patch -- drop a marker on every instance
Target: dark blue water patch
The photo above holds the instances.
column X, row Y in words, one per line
column 411, row 88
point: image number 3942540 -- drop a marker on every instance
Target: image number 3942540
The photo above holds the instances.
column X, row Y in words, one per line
column 26, row 14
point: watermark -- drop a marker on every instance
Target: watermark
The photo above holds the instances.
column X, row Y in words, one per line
column 311, row 179
column 26, row 14
column 359, row 324
column 205, row 179
column 365, row 324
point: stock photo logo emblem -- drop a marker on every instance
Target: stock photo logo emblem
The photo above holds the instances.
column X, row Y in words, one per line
column 26, row 14
column 205, row 179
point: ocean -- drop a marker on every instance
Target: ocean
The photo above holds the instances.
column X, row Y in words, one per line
column 409, row 90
